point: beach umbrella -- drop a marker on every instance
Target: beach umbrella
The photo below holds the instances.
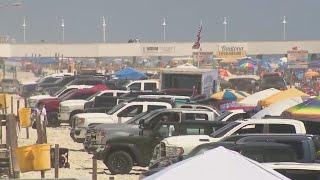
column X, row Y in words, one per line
column 247, row 65
column 253, row 99
column 217, row 163
column 310, row 73
column 224, row 73
column 229, row 95
column 282, row 95
column 308, row 110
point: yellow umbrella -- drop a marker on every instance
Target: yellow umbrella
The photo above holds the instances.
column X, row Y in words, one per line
column 311, row 73
column 230, row 95
column 282, row 95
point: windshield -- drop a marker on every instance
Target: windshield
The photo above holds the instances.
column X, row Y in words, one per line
column 92, row 96
column 59, row 92
column 224, row 130
column 223, row 115
column 116, row 108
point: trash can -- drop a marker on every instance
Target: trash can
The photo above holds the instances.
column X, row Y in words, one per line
column 25, row 117
column 41, row 154
column 25, row 158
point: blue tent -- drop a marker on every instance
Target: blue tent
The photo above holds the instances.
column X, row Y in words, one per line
column 130, row 74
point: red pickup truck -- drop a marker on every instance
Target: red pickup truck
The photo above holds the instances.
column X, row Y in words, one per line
column 52, row 105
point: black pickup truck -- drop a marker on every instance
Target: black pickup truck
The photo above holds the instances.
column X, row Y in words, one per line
column 122, row 152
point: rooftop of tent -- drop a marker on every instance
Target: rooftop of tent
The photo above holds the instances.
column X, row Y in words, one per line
column 185, row 69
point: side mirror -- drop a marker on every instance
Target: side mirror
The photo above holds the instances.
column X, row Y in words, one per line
column 141, row 123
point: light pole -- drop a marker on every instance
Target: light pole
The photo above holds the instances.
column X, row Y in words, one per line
column 24, row 27
column 284, row 22
column 62, row 27
column 225, row 23
column 104, row 25
column 164, row 29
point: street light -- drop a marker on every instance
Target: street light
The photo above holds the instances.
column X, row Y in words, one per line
column 225, row 23
column 62, row 27
column 24, row 26
column 284, row 22
column 104, row 25
column 164, row 29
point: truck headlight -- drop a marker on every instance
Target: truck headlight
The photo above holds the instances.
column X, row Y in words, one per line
column 79, row 121
column 174, row 151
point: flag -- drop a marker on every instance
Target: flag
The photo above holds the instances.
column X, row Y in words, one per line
column 196, row 44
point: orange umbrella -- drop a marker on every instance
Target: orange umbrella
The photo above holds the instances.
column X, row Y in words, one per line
column 310, row 73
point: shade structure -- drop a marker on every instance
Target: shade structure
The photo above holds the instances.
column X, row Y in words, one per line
column 219, row 163
column 278, row 108
column 224, row 73
column 308, row 110
column 282, row 95
column 253, row 99
column 230, row 95
column 130, row 74
column 247, row 65
column 310, row 73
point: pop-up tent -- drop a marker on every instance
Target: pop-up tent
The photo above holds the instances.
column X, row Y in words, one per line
column 218, row 163
column 130, row 74
column 253, row 99
column 276, row 109
column 282, row 95
column 308, row 110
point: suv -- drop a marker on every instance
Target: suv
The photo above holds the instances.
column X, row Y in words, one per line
column 251, row 126
column 52, row 104
column 118, row 114
column 71, row 107
column 122, row 152
column 10, row 85
column 97, row 135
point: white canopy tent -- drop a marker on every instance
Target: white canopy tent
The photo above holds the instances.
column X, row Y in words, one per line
column 277, row 108
column 218, row 163
column 253, row 99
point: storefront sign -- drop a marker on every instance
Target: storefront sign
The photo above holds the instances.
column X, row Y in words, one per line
column 158, row 50
column 232, row 50
column 297, row 55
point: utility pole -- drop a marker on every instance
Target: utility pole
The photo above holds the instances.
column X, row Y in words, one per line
column 284, row 22
column 24, row 26
column 104, row 25
column 62, row 27
column 164, row 29
column 225, row 23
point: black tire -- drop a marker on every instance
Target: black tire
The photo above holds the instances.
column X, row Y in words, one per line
column 53, row 120
column 119, row 162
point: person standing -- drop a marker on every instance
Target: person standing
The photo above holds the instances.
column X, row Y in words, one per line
column 41, row 123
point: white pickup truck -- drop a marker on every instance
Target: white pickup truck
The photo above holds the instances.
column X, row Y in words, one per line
column 33, row 100
column 119, row 114
column 251, row 126
column 69, row 108
column 143, row 85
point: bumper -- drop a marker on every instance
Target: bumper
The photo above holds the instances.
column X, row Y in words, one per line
column 78, row 134
column 64, row 116
column 100, row 153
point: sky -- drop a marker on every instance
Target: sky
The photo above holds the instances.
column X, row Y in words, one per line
column 248, row 20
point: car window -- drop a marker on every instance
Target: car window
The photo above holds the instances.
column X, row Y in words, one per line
column 135, row 87
column 131, row 111
column 155, row 107
column 235, row 117
column 202, row 107
column 150, row 86
column 195, row 131
column 250, row 129
column 196, row 116
column 107, row 94
column 50, row 80
column 282, row 128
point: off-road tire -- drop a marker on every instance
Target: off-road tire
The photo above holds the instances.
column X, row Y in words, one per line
column 119, row 162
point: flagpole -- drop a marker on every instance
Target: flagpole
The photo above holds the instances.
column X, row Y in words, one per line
column 199, row 48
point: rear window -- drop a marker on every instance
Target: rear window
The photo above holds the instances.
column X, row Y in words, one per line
column 155, row 107
column 150, row 86
column 282, row 128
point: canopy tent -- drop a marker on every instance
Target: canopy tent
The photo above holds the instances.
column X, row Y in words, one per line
column 308, row 110
column 277, row 108
column 219, row 163
column 229, row 95
column 130, row 74
column 282, row 95
column 253, row 99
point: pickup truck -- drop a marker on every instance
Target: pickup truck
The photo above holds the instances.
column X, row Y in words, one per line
column 97, row 135
column 52, row 104
column 264, row 148
column 119, row 114
column 143, row 85
column 250, row 126
column 69, row 108
column 122, row 152
column 33, row 100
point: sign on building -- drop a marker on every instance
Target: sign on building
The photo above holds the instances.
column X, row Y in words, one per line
column 158, row 50
column 232, row 50
column 297, row 55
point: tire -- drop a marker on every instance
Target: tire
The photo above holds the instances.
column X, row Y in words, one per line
column 53, row 120
column 119, row 162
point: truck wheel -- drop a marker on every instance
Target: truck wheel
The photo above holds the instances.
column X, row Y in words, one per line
column 119, row 162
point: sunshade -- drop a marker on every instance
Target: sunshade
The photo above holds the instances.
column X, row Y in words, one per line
column 280, row 96
column 310, row 73
column 276, row 109
column 130, row 74
column 247, row 65
column 308, row 110
column 253, row 99
column 230, row 95
column 219, row 163
column 224, row 73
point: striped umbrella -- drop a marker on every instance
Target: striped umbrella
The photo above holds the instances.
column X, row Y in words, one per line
column 229, row 95
column 308, row 110
column 247, row 65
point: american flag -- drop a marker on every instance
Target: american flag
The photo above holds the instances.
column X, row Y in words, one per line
column 196, row 44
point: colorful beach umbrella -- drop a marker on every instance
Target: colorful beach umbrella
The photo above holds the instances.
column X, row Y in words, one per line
column 310, row 73
column 247, row 65
column 229, row 95
column 308, row 110
column 224, row 73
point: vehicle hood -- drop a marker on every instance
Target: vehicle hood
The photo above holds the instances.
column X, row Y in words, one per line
column 75, row 102
column 39, row 97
